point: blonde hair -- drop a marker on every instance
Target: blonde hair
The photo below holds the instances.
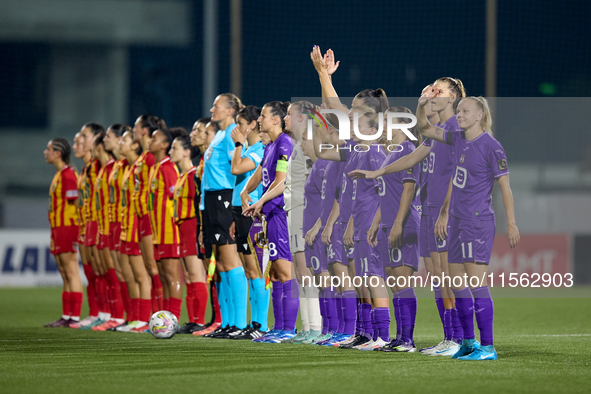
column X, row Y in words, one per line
column 486, row 121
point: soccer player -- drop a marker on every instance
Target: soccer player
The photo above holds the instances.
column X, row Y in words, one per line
column 479, row 160
column 139, row 282
column 161, row 210
column 112, row 144
column 81, row 152
column 244, row 163
column 63, row 218
column 218, row 184
column 101, row 187
column 143, row 128
column 272, row 173
column 186, row 220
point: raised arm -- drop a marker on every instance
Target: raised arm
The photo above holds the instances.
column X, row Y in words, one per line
column 404, row 163
column 507, row 195
column 322, row 151
column 423, row 125
column 329, row 95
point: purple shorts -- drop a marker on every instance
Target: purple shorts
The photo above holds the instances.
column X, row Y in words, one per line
column 314, row 257
column 335, row 250
column 407, row 254
column 424, row 241
column 367, row 260
column 435, row 245
column 278, row 236
column 470, row 240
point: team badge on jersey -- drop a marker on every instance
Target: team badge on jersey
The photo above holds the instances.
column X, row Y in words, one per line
column 462, row 158
column 154, row 184
column 179, row 191
column 411, row 170
column 502, row 164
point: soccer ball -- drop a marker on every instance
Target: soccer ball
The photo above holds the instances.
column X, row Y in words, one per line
column 163, row 325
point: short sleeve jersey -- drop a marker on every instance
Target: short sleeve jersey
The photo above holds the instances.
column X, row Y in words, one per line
column 297, row 171
column 422, row 192
column 390, row 189
column 115, row 185
column 276, row 151
column 161, row 203
column 254, row 153
column 89, row 191
column 218, row 159
column 365, row 197
column 129, row 219
column 346, row 193
column 313, row 195
column 477, row 164
column 440, row 165
column 184, row 196
column 330, row 184
column 63, row 192
column 142, row 174
column 101, row 191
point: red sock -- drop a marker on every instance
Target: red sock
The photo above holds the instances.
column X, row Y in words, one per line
column 166, row 305
column 134, row 305
column 158, row 292
column 75, row 304
column 145, row 312
column 216, row 304
column 101, row 288
column 90, row 290
column 189, row 303
column 199, row 302
column 175, row 307
column 65, row 303
column 117, row 309
column 125, row 298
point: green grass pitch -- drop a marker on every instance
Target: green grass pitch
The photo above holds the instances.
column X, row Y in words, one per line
column 544, row 346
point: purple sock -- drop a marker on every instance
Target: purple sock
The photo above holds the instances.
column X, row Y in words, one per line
column 277, row 297
column 374, row 325
column 349, row 301
column 340, row 317
column 291, row 305
column 408, row 301
column 439, row 302
column 322, row 300
column 366, row 321
column 457, row 326
column 465, row 308
column 397, row 309
column 448, row 330
column 331, row 309
column 359, row 321
column 485, row 313
column 382, row 319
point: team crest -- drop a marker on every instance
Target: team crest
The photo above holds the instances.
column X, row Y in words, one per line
column 154, row 184
column 502, row 164
column 462, row 158
column 53, row 187
column 179, row 191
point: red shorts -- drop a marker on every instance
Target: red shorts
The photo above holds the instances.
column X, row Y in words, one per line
column 188, row 232
column 144, row 226
column 116, row 236
column 91, row 235
column 130, row 248
column 104, row 242
column 64, row 239
column 164, row 251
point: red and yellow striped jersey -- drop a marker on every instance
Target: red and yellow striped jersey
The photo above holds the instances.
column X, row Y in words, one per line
column 161, row 203
column 101, row 198
column 63, row 193
column 184, row 196
column 129, row 220
column 89, row 194
column 81, row 196
column 115, row 187
column 142, row 174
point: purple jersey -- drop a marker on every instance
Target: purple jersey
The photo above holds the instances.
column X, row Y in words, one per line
column 313, row 194
column 390, row 190
column 365, row 197
column 477, row 164
column 346, row 194
column 279, row 149
column 329, row 188
column 440, row 165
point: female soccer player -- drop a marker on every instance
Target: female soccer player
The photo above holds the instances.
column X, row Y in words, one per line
column 112, row 144
column 444, row 97
column 139, row 282
column 244, row 163
column 218, row 184
column 63, row 218
column 143, row 128
column 81, row 152
column 272, row 173
column 186, row 220
column 479, row 160
column 113, row 296
column 161, row 210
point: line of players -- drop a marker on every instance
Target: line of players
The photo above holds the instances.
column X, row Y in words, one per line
column 344, row 230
